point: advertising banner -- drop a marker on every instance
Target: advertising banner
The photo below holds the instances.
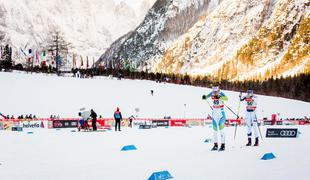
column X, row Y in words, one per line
column 65, row 124
column 281, row 133
column 32, row 124
column 160, row 123
column 7, row 125
column 178, row 122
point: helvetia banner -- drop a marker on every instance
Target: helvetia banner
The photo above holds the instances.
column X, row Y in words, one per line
column 32, row 124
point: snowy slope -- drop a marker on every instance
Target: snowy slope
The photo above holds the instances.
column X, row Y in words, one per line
column 45, row 95
column 90, row 25
column 63, row 155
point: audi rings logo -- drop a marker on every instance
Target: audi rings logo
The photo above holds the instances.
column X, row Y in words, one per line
column 288, row 133
column 281, row 133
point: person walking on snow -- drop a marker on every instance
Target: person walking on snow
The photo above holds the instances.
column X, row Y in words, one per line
column 250, row 116
column 218, row 116
column 118, row 118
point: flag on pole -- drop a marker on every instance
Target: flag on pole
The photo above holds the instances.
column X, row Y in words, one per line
column 38, row 58
column 0, row 53
column 30, row 56
column 53, row 58
column 87, row 63
column 81, row 65
column 59, row 60
column 93, row 62
column 74, row 61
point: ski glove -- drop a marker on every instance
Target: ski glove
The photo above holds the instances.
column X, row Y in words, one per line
column 204, row 97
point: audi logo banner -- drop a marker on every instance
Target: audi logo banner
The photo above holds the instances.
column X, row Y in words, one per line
column 281, row 133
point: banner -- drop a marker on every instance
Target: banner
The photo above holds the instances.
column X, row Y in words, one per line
column 267, row 122
column 65, row 124
column 281, row 133
column 7, row 125
column 17, row 129
column 178, row 122
column 32, row 124
column 160, row 123
column 138, row 122
column 195, row 122
column 144, row 126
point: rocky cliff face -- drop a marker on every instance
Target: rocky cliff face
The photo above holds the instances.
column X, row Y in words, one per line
column 228, row 39
column 164, row 23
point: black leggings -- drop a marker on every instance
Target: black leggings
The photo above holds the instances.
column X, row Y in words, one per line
column 117, row 124
column 94, row 125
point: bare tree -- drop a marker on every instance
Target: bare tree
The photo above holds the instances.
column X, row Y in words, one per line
column 56, row 43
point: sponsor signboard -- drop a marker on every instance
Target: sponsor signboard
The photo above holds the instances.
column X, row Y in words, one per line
column 7, row 125
column 138, row 123
column 281, row 133
column 195, row 122
column 279, row 122
column 32, row 124
column 160, row 123
column 178, row 122
column 65, row 124
column 267, row 122
column 144, row 126
column 17, row 129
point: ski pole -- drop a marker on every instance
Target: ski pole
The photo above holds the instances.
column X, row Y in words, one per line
column 236, row 125
column 260, row 132
column 232, row 111
column 210, row 105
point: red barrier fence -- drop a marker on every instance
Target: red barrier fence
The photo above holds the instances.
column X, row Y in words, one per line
column 105, row 123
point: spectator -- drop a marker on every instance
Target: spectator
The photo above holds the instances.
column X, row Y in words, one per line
column 131, row 118
column 93, row 115
column 118, row 118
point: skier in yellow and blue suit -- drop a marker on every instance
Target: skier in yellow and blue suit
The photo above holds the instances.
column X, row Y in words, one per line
column 218, row 116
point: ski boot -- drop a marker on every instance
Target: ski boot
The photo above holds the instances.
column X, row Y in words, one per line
column 215, row 147
column 249, row 142
column 222, row 147
column 256, row 142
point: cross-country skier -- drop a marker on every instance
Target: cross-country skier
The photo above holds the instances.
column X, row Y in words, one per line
column 218, row 116
column 250, row 116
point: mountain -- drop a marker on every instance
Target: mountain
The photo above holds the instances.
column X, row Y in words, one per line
column 89, row 25
column 228, row 39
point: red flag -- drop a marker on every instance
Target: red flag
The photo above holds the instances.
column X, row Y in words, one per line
column 53, row 57
column 38, row 58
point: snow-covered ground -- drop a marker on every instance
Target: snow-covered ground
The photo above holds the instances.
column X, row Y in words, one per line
column 44, row 95
column 62, row 155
